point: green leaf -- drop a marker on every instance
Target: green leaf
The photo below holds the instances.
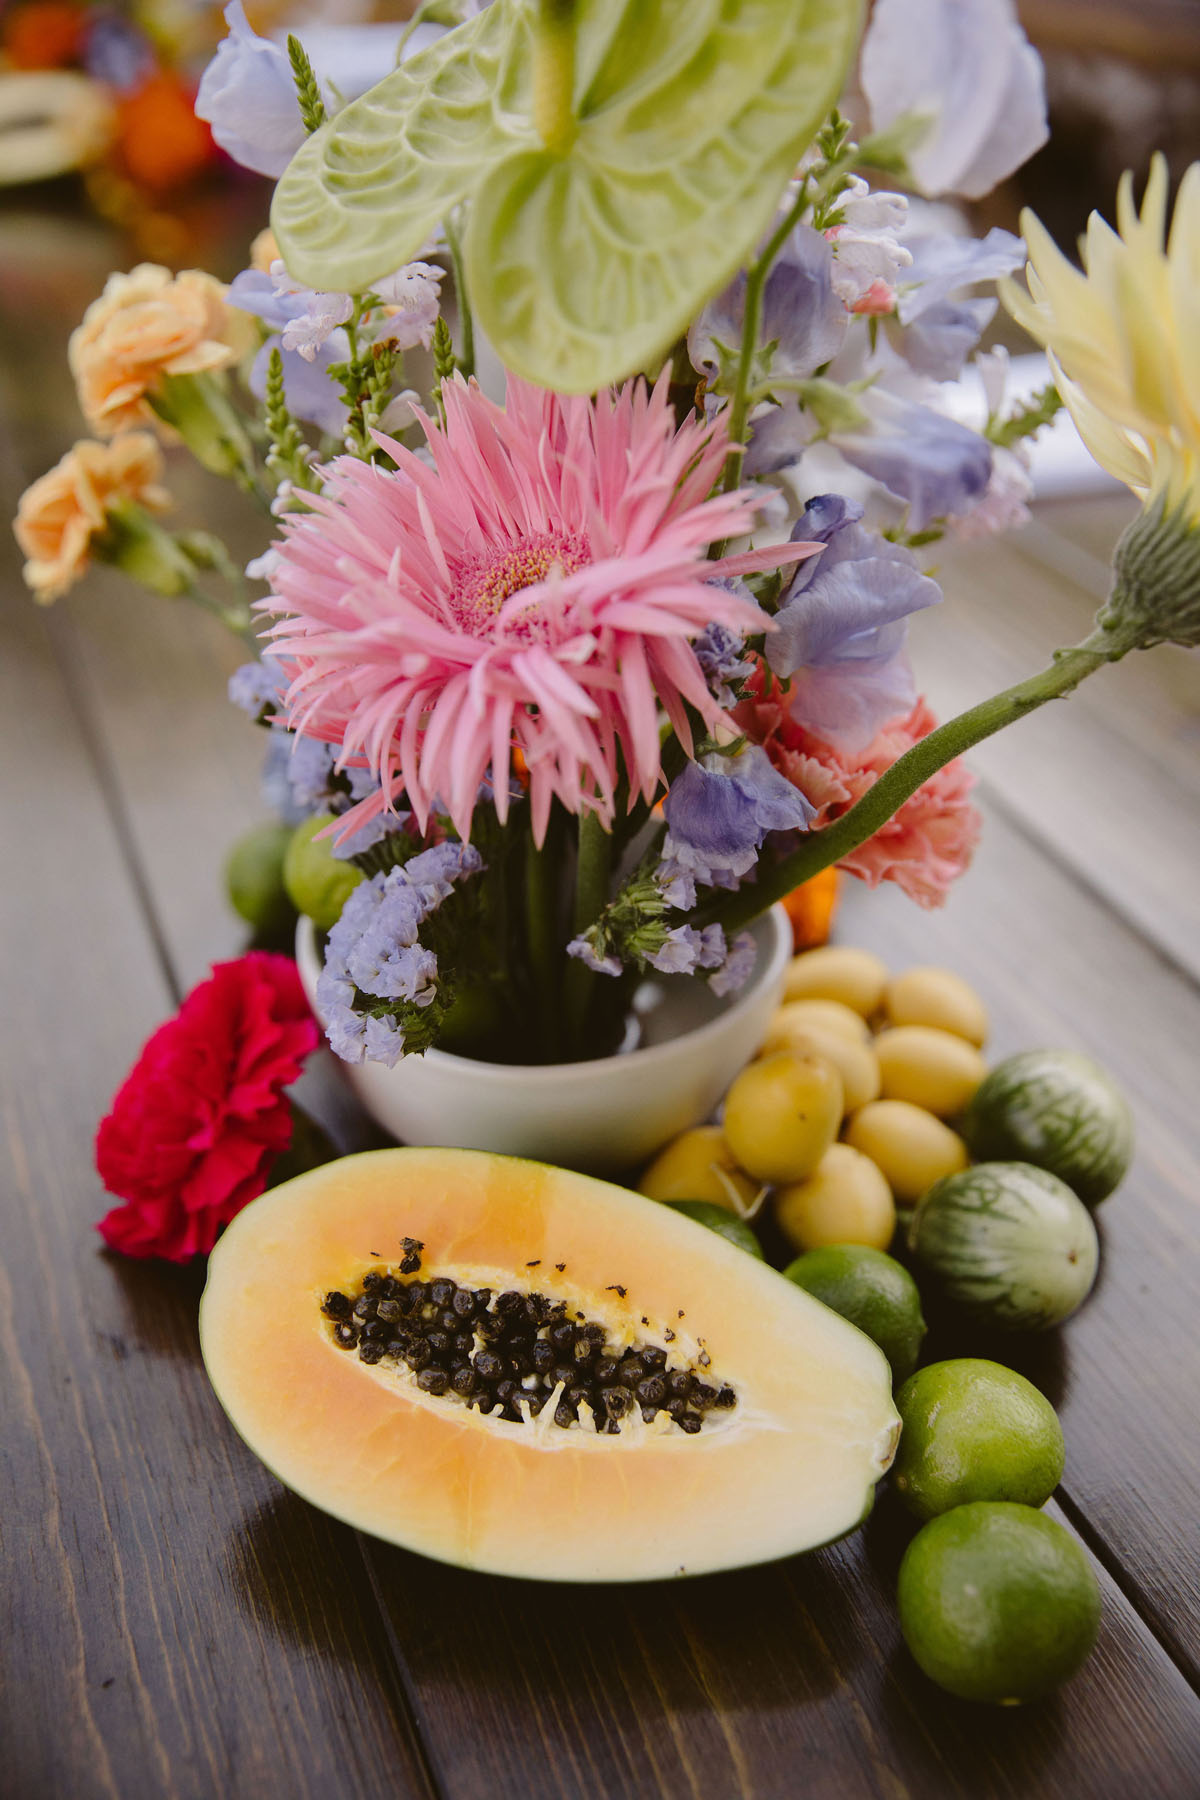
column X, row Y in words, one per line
column 584, row 266
column 363, row 194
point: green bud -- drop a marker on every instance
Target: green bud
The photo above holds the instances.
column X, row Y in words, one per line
column 197, row 407
column 1156, row 591
column 136, row 543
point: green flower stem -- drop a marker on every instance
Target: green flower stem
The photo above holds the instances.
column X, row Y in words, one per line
column 544, row 949
column 756, row 281
column 466, row 322
column 897, row 784
column 554, row 75
column 592, row 872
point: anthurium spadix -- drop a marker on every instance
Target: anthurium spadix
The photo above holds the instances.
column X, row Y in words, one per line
column 596, row 228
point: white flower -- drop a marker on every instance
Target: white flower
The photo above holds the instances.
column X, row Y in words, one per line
column 322, row 314
column 867, row 253
column 414, row 291
column 967, row 68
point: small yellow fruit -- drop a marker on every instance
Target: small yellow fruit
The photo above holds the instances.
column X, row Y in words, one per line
column 938, row 997
column 838, row 972
column 912, row 1148
column 782, row 1114
column 856, row 1063
column 932, row 1068
column 844, row 1201
column 830, row 1015
column 699, row 1165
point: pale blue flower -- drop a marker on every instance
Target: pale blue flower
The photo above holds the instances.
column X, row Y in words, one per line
column 719, row 811
column 721, row 654
column 934, row 332
column 308, row 388
column 842, row 624
column 257, row 686
column 738, row 966
column 801, row 316
column 935, row 465
column 584, row 950
column 967, row 68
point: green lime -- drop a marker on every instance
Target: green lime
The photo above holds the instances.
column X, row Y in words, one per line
column 1058, row 1110
column 318, row 882
column 873, row 1291
column 254, row 878
column 974, row 1430
column 998, row 1602
column 719, row 1219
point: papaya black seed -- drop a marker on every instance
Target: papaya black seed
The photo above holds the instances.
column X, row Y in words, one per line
column 679, row 1384
column 418, row 1354
column 649, row 1414
column 377, row 1331
column 345, row 1337
column 504, row 1391
column 464, row 1379
column 616, row 1401
column 535, row 1403
column 676, row 1408
column 689, row 1422
column 652, row 1391
column 604, row 1368
column 491, row 1326
column 584, row 1350
column 632, row 1370
column 562, row 1334
column 725, row 1397
column 464, row 1303
column 703, row 1395
column 542, row 1356
column 510, row 1301
column 372, row 1281
column 389, row 1310
column 396, row 1347
column 370, row 1350
column 562, row 1372
column 488, row 1366
column 433, row 1381
column 653, row 1356
column 564, row 1414
column 336, row 1306
column 416, row 1295
column 464, row 1342
column 439, row 1342
column 520, row 1363
column 390, row 1288
column 364, row 1307
column 442, row 1291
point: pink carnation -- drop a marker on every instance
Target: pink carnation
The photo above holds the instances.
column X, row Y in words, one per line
column 534, row 590
column 926, row 845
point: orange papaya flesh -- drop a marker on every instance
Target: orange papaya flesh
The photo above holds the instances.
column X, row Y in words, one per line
column 791, row 1465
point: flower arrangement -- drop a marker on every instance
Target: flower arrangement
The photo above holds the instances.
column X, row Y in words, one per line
column 583, row 630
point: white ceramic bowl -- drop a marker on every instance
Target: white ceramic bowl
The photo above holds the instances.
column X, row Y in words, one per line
column 607, row 1115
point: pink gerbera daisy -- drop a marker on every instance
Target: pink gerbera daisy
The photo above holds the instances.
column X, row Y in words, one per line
column 535, row 589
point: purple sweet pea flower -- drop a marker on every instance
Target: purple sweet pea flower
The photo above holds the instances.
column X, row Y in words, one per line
column 935, row 465
column 801, row 312
column 718, row 812
column 311, row 395
column 934, row 332
column 248, row 96
column 842, row 626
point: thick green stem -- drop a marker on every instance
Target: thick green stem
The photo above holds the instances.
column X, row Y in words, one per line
column 592, row 871
column 466, row 322
column 897, row 784
column 554, row 75
column 541, row 928
column 756, row 281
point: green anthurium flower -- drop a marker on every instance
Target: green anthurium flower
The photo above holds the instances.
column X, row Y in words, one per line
column 588, row 249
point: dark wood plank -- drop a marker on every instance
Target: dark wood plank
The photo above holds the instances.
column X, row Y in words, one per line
column 156, row 1642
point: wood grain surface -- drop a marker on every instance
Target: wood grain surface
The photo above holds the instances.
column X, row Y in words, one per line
column 177, row 1624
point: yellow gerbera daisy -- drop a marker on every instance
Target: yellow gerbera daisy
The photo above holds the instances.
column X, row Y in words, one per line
column 1124, row 335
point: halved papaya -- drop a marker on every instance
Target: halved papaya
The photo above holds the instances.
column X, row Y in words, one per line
column 515, row 1368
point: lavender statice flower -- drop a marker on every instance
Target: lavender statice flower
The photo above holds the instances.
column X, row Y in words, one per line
column 257, row 685
column 718, row 812
column 737, row 967
column 585, row 950
column 721, row 654
column 684, row 950
column 379, row 978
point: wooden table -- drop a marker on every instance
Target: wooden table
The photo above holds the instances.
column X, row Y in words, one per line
column 177, row 1624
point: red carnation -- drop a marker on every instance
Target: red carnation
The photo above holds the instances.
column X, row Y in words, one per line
column 202, row 1115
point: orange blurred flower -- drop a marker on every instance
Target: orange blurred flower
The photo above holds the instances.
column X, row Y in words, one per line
column 63, row 511
column 47, row 34
column 161, row 141
column 145, row 325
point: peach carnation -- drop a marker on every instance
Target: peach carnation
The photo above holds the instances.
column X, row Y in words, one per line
column 58, row 516
column 926, row 845
column 145, row 325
